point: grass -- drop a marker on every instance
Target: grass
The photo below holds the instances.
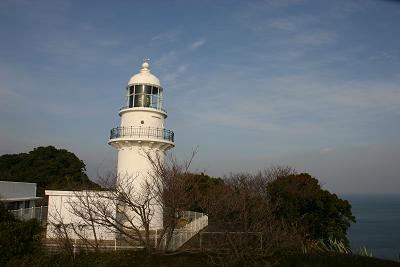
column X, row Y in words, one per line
column 342, row 260
column 115, row 259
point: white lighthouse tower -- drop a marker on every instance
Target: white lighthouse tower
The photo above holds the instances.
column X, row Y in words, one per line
column 142, row 132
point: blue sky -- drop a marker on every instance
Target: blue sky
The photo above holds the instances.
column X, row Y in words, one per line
column 310, row 84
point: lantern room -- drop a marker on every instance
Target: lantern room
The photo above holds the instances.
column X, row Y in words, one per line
column 144, row 95
column 144, row 90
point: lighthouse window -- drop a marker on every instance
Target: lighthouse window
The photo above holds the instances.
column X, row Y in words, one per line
column 142, row 100
column 130, row 96
column 138, row 89
column 147, row 89
column 144, row 96
column 154, row 101
column 130, row 104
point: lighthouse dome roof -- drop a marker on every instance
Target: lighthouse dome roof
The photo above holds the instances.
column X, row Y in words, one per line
column 144, row 76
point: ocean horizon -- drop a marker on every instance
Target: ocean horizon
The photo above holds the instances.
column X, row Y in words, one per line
column 378, row 224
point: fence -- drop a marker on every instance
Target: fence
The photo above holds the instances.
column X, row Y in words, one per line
column 39, row 213
column 191, row 224
column 56, row 246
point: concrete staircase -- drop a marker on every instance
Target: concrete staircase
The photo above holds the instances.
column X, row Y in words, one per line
column 196, row 222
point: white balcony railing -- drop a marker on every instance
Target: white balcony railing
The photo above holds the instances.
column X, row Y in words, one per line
column 39, row 213
column 142, row 132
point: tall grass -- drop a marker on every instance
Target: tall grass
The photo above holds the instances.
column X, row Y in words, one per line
column 334, row 246
column 363, row 251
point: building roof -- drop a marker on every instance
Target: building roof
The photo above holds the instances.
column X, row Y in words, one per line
column 17, row 191
column 144, row 76
column 19, row 199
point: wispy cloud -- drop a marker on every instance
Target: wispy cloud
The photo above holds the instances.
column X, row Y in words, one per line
column 109, row 43
column 327, row 150
column 172, row 76
column 176, row 58
column 282, row 24
column 166, row 58
column 168, row 36
column 197, row 44
column 318, row 37
column 382, row 55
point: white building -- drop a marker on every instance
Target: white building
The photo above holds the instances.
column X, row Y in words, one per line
column 20, row 199
column 18, row 195
column 141, row 133
column 61, row 213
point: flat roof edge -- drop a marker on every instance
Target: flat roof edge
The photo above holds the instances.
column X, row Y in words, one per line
column 19, row 199
column 17, row 182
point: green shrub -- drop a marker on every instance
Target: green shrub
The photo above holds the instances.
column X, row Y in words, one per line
column 17, row 237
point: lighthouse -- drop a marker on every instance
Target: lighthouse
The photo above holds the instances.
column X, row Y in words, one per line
column 141, row 133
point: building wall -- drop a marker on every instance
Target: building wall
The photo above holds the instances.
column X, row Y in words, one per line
column 134, row 169
column 150, row 118
column 60, row 211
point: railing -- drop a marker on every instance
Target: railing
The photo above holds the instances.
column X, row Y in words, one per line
column 161, row 109
column 192, row 224
column 39, row 213
column 134, row 131
column 196, row 222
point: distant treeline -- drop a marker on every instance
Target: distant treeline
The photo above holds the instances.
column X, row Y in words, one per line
column 49, row 167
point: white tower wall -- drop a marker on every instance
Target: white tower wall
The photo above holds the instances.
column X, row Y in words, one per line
column 145, row 115
column 141, row 133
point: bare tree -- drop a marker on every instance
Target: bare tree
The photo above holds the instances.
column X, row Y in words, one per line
column 242, row 217
column 74, row 223
column 127, row 210
column 59, row 231
column 171, row 180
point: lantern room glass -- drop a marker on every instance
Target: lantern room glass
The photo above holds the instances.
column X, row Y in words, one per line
column 142, row 95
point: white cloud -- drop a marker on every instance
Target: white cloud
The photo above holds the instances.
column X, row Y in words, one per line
column 319, row 37
column 168, row 36
column 109, row 43
column 282, row 24
column 327, row 150
column 171, row 77
column 197, row 44
column 166, row 58
column 381, row 55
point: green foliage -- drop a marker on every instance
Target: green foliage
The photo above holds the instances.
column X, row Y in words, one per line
column 49, row 167
column 198, row 187
column 17, row 237
column 299, row 200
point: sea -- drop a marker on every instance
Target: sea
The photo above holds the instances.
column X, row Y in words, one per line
column 378, row 225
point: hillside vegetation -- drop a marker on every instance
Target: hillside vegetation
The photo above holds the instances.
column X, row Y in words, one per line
column 49, row 167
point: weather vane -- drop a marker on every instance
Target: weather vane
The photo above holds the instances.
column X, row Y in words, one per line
column 146, row 60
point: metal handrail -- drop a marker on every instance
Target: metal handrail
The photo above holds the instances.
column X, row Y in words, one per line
column 135, row 131
column 126, row 107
